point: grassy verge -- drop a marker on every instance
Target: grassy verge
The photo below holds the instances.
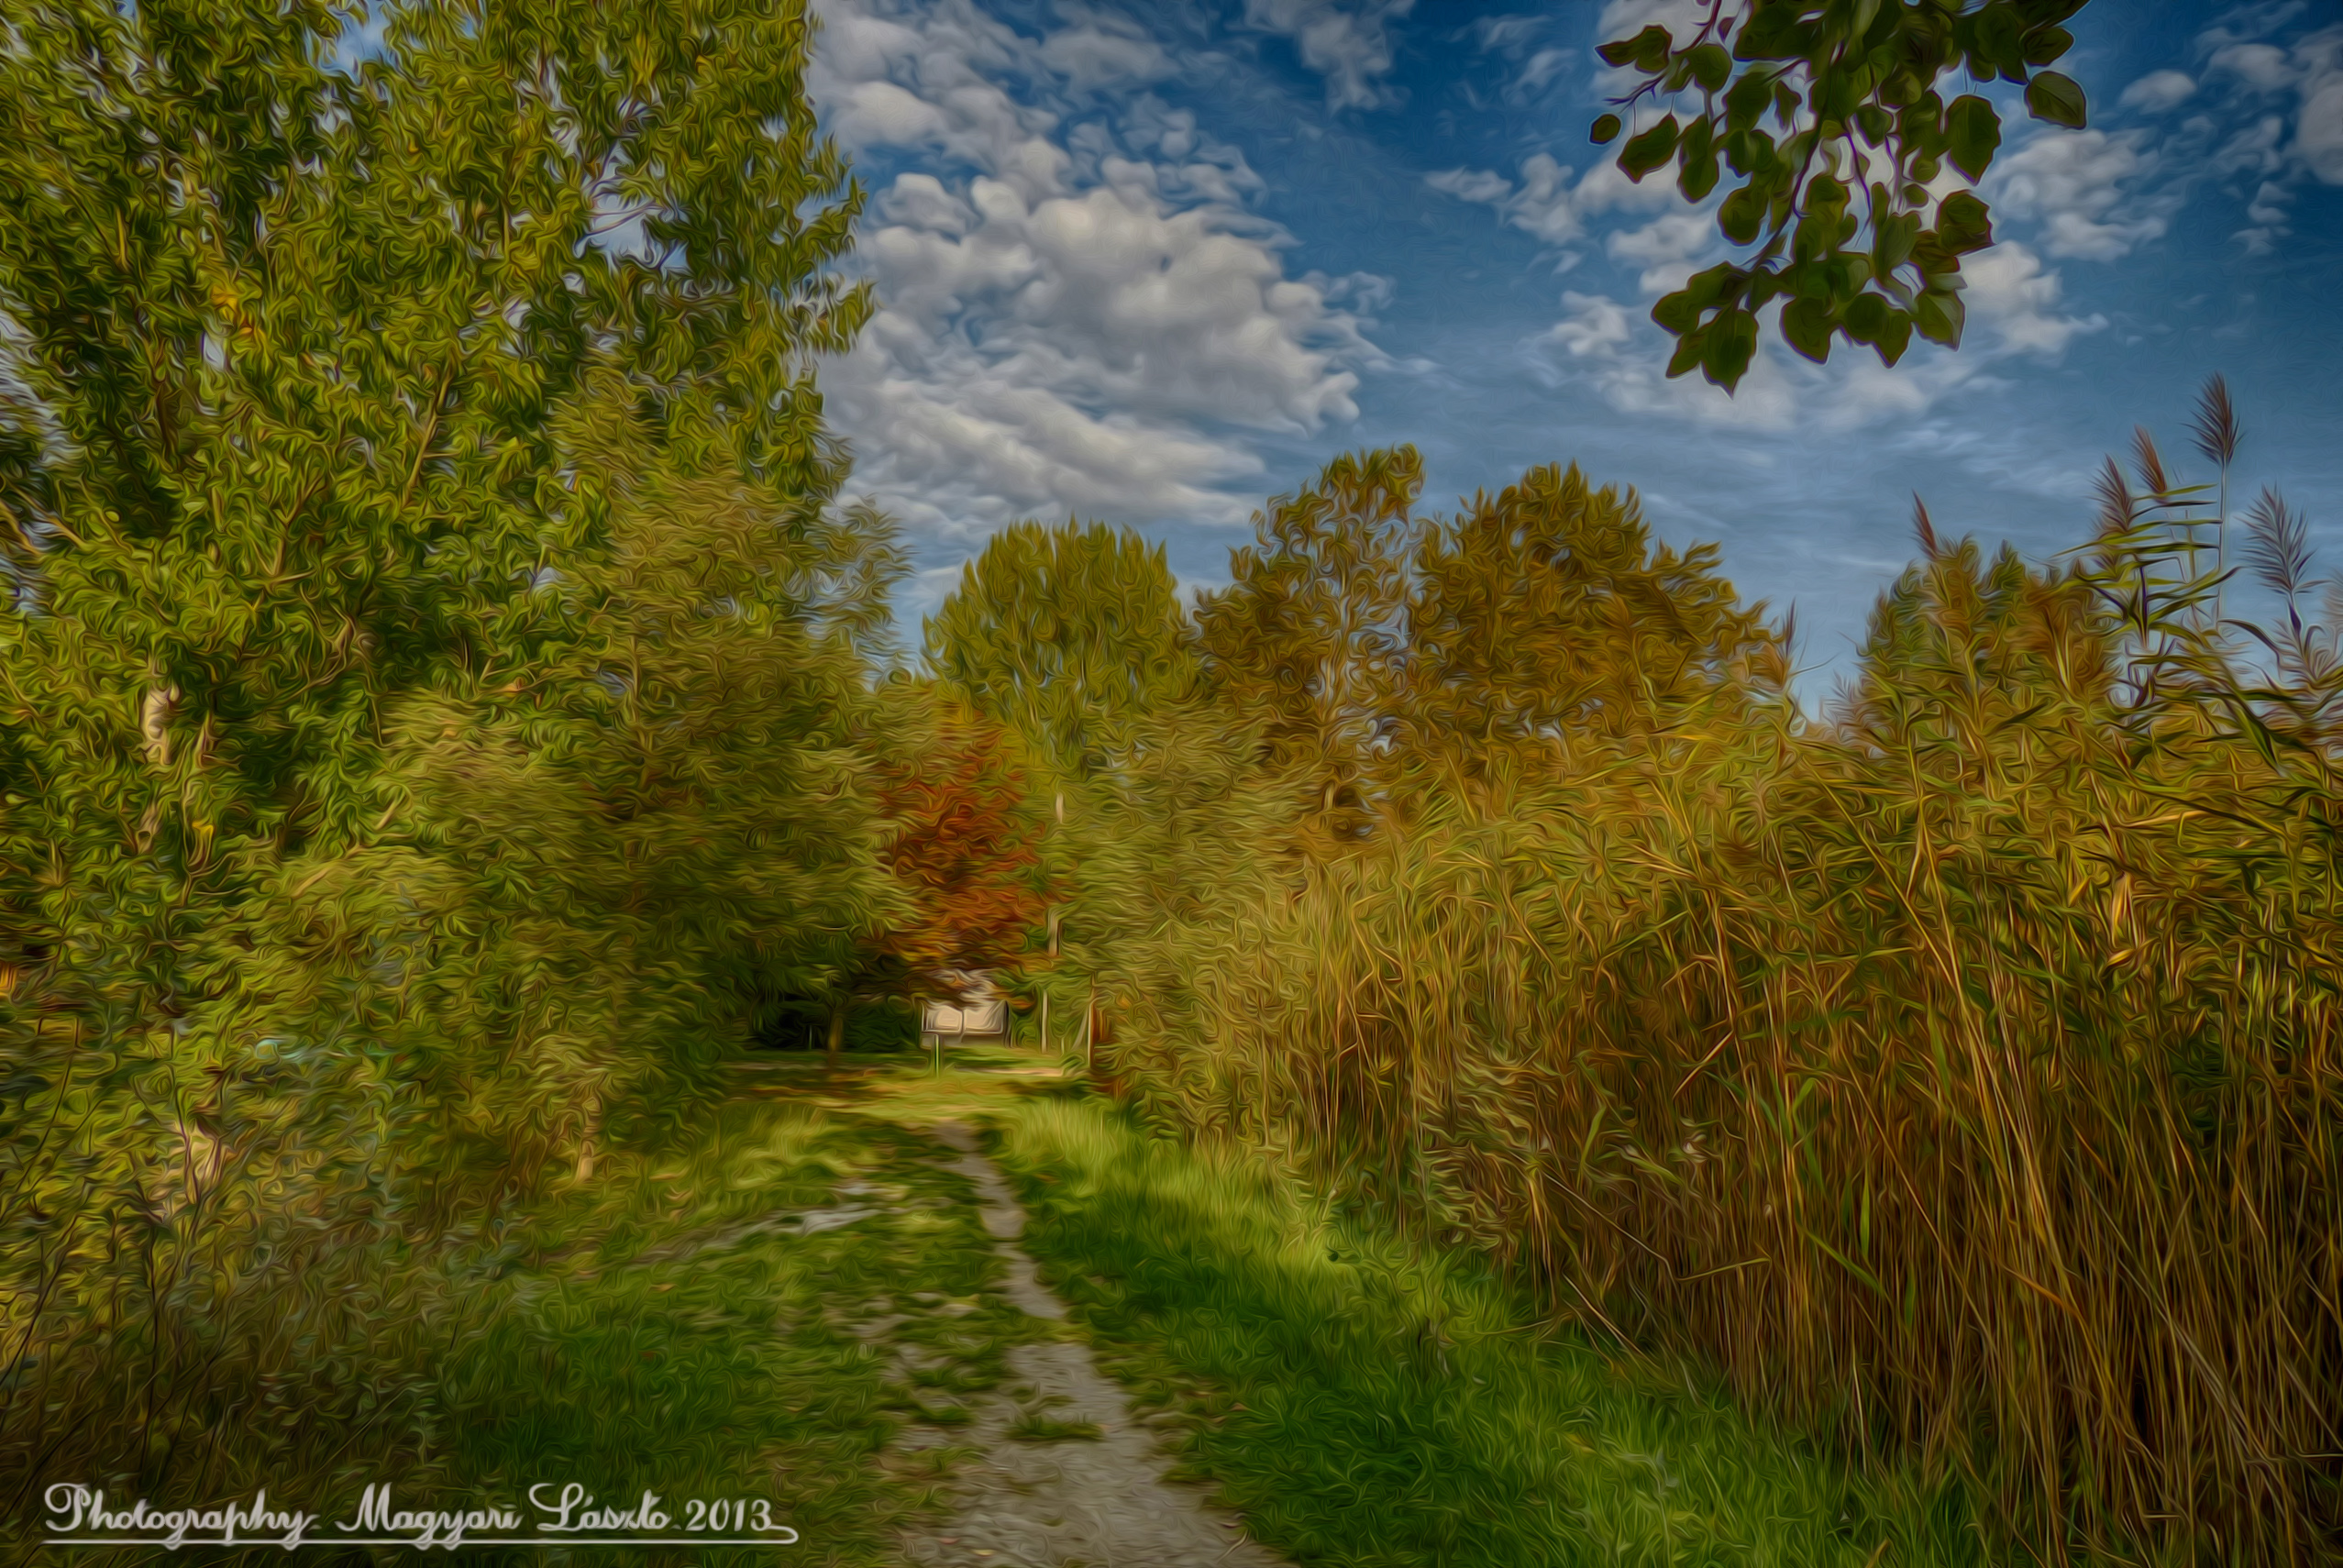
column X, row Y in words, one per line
column 747, row 1303
column 1362, row 1406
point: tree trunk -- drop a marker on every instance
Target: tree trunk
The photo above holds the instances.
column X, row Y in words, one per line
column 837, row 1030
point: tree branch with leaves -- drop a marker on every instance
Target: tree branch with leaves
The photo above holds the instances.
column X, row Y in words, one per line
column 1825, row 120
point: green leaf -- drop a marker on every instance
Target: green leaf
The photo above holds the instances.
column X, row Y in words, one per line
column 1975, row 132
column 1690, row 350
column 1646, row 152
column 1940, row 318
column 1963, row 222
column 2056, row 98
column 1742, row 215
column 2045, row 44
column 1893, row 336
column 1732, row 343
column 1807, row 327
column 1677, row 313
column 1746, row 100
column 1647, row 51
column 1865, row 317
column 1606, row 129
column 1696, row 171
column 1873, row 123
column 1711, row 66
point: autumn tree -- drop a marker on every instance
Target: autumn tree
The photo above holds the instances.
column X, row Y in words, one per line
column 1309, row 636
column 1544, row 617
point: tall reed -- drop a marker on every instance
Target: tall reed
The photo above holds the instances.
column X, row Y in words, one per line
column 1960, row 1072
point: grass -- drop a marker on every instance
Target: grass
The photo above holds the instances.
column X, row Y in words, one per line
column 714, row 1316
column 1365, row 1407
column 684, row 1343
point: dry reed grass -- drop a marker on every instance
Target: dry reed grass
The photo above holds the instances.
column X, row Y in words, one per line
column 1962, row 1073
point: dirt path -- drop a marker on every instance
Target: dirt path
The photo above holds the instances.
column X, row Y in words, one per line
column 1077, row 1502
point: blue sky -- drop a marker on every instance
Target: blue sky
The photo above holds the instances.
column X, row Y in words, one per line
column 1154, row 263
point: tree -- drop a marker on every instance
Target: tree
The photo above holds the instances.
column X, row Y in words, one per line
column 1838, row 198
column 1063, row 634
column 435, row 691
column 1309, row 636
column 1542, row 616
column 962, row 854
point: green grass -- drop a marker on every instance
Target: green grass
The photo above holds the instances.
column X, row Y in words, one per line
column 681, row 1337
column 1362, row 1406
column 673, row 1326
column 1036, row 1426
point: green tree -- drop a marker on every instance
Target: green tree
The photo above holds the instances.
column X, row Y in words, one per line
column 1063, row 634
column 437, row 687
column 1309, row 636
column 1840, row 197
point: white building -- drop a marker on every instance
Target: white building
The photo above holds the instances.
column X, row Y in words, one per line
column 978, row 1015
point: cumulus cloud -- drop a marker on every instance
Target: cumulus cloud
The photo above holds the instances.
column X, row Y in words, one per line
column 1550, row 201
column 1346, row 41
column 1079, row 321
column 2319, row 130
column 2074, row 183
column 2015, row 307
column 2160, row 90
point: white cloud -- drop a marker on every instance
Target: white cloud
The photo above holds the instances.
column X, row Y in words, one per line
column 1505, row 35
column 1348, row 44
column 2318, row 131
column 2072, row 184
column 1590, row 323
column 1549, row 203
column 1537, row 73
column 2160, row 90
column 2010, row 291
column 1078, row 322
column 2312, row 68
column 1665, row 248
column 2262, row 66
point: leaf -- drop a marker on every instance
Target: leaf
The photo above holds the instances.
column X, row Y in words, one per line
column 1696, row 173
column 1690, row 348
column 1963, row 222
column 1974, row 130
column 2056, row 98
column 1732, row 342
column 1646, row 152
column 1865, row 317
column 1895, row 334
column 2045, row 44
column 1711, row 66
column 1647, row 50
column 1940, row 318
column 1606, row 129
column 1742, row 215
column 1807, row 327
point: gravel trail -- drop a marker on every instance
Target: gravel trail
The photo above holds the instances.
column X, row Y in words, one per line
column 1092, row 1502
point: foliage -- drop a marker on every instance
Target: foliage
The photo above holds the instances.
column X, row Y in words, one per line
column 1362, row 1404
column 1843, row 198
column 1307, row 637
column 1960, row 1072
column 437, row 700
column 1061, row 635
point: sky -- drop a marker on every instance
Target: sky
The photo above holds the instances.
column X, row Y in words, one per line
column 1154, row 263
